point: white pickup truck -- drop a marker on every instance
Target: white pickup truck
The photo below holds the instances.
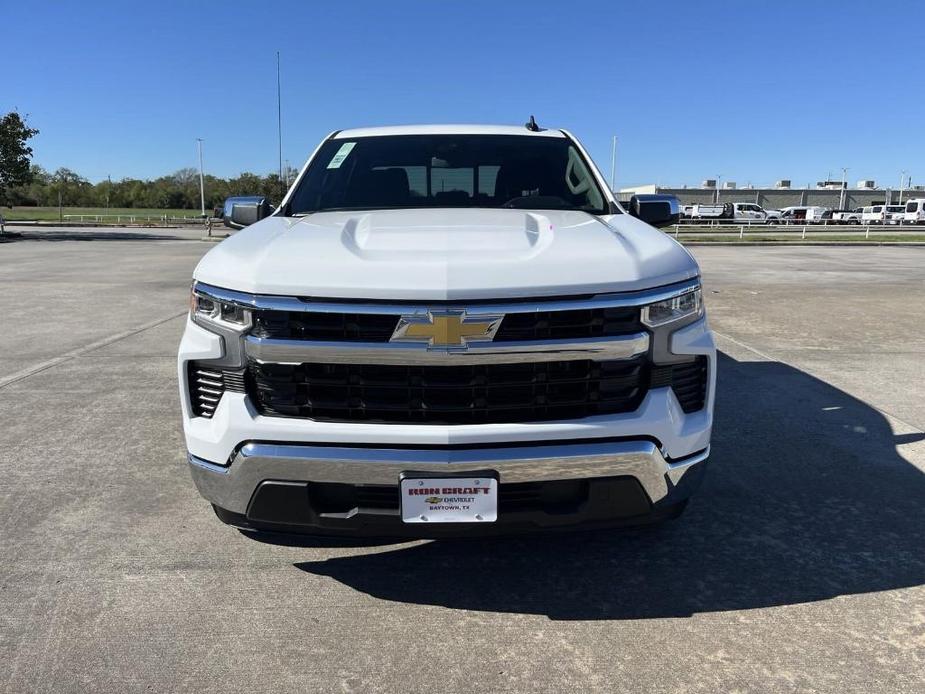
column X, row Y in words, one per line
column 736, row 212
column 847, row 216
column 447, row 330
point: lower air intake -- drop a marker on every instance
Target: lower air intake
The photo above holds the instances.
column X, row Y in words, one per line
column 208, row 384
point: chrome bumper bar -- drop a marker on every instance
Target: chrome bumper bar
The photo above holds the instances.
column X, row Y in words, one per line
column 398, row 353
column 232, row 486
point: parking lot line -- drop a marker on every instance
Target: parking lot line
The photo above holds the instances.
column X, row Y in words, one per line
column 74, row 353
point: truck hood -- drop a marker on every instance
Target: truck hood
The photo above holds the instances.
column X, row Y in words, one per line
column 445, row 254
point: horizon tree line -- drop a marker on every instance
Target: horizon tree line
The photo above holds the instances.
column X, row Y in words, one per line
column 179, row 190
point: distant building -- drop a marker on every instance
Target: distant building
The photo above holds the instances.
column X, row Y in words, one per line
column 825, row 194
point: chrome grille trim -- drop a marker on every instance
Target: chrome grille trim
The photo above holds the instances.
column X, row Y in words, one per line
column 404, row 353
column 474, row 308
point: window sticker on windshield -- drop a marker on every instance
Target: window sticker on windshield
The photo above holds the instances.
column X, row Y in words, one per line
column 342, row 153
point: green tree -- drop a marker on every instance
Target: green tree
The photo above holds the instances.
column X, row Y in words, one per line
column 70, row 188
column 14, row 153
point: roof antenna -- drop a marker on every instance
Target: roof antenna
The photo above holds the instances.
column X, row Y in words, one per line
column 532, row 126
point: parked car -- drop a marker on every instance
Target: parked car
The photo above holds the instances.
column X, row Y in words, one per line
column 738, row 212
column 883, row 214
column 805, row 215
column 895, row 214
column 872, row 214
column 436, row 323
column 847, row 216
column 914, row 211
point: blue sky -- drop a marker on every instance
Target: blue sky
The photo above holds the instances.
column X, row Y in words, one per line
column 752, row 91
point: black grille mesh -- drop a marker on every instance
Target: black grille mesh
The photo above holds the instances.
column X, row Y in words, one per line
column 370, row 327
column 687, row 380
column 554, row 496
column 470, row 394
column 311, row 325
column 574, row 324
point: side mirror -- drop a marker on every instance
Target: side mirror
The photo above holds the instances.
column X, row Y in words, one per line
column 243, row 211
column 657, row 210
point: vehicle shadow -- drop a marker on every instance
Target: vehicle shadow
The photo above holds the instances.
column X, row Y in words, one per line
column 806, row 499
column 96, row 236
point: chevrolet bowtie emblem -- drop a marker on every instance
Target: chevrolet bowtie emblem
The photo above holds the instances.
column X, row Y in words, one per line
column 446, row 329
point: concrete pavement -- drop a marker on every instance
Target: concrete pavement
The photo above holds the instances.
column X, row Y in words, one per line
column 799, row 566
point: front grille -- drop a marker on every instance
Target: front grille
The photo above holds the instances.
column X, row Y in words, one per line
column 314, row 325
column 688, row 381
column 371, row 327
column 560, row 496
column 464, row 394
column 207, row 385
column 564, row 325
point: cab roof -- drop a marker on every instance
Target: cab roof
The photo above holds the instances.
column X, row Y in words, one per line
column 456, row 129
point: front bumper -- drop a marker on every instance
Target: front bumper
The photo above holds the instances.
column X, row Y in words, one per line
column 271, row 486
column 658, row 447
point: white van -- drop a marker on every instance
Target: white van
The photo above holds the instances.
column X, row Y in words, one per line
column 915, row 211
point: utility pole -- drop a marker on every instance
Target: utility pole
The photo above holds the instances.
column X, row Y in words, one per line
column 202, row 186
column 844, row 185
column 719, row 182
column 60, row 197
column 613, row 165
column 279, row 126
column 108, row 190
column 902, row 176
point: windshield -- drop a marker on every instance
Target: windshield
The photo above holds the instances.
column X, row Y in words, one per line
column 401, row 171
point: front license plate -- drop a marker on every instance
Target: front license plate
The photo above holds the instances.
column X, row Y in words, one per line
column 449, row 499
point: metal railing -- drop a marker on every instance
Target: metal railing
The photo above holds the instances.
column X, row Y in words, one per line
column 131, row 218
column 820, row 229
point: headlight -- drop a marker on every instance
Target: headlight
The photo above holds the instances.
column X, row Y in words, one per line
column 690, row 303
column 207, row 310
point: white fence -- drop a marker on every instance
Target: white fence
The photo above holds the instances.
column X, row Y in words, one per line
column 132, row 219
column 742, row 230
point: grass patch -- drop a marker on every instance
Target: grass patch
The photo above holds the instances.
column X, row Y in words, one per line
column 50, row 214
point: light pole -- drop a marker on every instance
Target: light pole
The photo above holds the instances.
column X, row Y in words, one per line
column 613, row 165
column 61, row 181
column 719, row 181
column 279, row 127
column 902, row 178
column 844, row 185
column 202, row 185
